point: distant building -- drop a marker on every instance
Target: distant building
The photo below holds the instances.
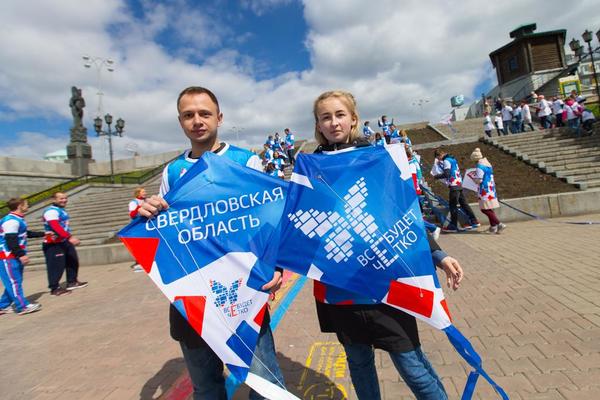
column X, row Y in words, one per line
column 57, row 156
column 532, row 61
column 529, row 53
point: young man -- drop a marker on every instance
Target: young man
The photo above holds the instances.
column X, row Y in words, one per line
column 451, row 176
column 507, row 116
column 289, row 145
column 200, row 118
column 59, row 247
column 384, row 124
column 13, row 258
column 367, row 131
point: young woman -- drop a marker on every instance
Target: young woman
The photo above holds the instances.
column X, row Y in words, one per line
column 364, row 325
column 488, row 200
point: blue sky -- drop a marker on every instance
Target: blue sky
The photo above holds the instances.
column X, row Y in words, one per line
column 265, row 59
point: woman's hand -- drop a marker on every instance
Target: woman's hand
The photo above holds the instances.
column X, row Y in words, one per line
column 453, row 270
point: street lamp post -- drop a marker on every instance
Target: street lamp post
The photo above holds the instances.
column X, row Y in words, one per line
column 120, row 125
column 578, row 49
column 100, row 64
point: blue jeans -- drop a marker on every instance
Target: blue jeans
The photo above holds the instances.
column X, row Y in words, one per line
column 413, row 366
column 574, row 124
column 206, row 369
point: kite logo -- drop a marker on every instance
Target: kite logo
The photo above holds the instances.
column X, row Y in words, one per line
column 339, row 229
column 224, row 296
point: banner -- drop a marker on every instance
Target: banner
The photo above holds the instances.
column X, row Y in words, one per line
column 355, row 216
column 212, row 251
column 468, row 180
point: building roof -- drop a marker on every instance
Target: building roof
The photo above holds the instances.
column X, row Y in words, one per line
column 526, row 32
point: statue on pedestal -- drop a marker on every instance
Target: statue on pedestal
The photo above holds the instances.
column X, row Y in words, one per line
column 79, row 151
column 77, row 103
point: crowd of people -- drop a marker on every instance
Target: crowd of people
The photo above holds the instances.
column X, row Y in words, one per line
column 516, row 117
column 278, row 153
column 360, row 325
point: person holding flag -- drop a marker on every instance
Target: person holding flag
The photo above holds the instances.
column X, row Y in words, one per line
column 360, row 323
column 200, row 117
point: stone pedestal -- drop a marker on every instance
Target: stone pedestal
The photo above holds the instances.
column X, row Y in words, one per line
column 79, row 152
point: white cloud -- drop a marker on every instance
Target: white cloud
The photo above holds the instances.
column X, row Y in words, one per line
column 388, row 53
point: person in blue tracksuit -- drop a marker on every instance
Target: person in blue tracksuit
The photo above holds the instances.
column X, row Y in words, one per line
column 13, row 258
column 200, row 118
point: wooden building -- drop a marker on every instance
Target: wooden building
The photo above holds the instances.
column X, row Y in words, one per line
column 529, row 52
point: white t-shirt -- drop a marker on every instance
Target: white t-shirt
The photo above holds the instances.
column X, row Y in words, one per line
column 557, row 106
column 507, row 113
column 544, row 108
column 498, row 121
column 487, row 123
column 587, row 115
column 526, row 113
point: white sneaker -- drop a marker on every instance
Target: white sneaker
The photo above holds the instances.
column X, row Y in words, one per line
column 436, row 233
column 32, row 307
column 493, row 229
column 137, row 268
column 501, row 227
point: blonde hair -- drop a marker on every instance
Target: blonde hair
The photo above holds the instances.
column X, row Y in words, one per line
column 348, row 99
column 138, row 191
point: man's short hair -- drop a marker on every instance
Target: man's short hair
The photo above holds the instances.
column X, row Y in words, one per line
column 14, row 203
column 55, row 195
column 198, row 90
column 438, row 152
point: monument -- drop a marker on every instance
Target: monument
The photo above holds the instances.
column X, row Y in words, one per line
column 79, row 152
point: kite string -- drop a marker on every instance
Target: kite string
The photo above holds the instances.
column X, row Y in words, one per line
column 209, row 291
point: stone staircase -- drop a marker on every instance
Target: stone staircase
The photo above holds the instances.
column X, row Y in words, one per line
column 96, row 213
column 557, row 152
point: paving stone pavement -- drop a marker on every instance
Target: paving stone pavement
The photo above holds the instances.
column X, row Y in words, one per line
column 530, row 304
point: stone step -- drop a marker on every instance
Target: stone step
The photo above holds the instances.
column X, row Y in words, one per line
column 588, row 168
column 562, row 144
column 563, row 154
column 574, row 159
column 557, row 152
column 591, row 183
column 554, row 144
column 582, row 162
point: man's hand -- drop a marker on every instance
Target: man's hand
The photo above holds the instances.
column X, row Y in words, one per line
column 152, row 206
column 24, row 260
column 74, row 241
column 453, row 270
column 275, row 283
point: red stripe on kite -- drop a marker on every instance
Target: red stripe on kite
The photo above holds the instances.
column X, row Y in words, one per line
column 143, row 250
column 194, row 310
column 411, row 298
column 258, row 320
column 445, row 307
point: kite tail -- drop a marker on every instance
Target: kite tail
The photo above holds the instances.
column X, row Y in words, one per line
column 466, row 350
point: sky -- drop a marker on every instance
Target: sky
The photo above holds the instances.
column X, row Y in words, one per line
column 266, row 60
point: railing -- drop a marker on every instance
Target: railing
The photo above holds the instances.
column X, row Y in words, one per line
column 135, row 177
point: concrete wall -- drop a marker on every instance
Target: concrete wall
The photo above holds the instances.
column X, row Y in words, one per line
column 133, row 163
column 462, row 129
column 25, row 166
column 17, row 186
column 546, row 206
